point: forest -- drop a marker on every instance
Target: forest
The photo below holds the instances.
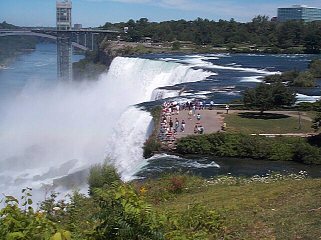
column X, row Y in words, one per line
column 295, row 36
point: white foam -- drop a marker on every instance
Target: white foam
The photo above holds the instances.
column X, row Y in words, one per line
column 44, row 128
column 306, row 98
column 255, row 79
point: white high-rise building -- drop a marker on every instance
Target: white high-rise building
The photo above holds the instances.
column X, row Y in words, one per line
column 299, row 12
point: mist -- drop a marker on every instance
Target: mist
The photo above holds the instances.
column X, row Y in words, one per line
column 51, row 131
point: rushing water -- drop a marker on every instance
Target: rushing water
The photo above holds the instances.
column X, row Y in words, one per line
column 50, row 129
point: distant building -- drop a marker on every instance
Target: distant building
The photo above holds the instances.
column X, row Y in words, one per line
column 77, row 26
column 299, row 12
column 63, row 14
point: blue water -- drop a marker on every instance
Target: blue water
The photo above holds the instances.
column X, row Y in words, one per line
column 40, row 64
column 233, row 73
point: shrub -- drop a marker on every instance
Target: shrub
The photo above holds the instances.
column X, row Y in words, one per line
column 305, row 153
column 197, row 222
column 305, row 79
column 152, row 144
column 256, row 147
column 102, row 176
column 125, row 215
column 26, row 224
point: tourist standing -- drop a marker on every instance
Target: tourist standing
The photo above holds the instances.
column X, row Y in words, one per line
column 183, row 126
column 227, row 107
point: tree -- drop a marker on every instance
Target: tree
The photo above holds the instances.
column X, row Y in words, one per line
column 317, row 122
column 265, row 97
column 315, row 68
column 176, row 45
column 304, row 79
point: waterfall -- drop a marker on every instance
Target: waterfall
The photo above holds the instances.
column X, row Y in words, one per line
column 50, row 132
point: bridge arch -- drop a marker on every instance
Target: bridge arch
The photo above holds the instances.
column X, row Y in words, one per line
column 26, row 33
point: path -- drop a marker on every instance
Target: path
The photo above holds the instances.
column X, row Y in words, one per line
column 210, row 120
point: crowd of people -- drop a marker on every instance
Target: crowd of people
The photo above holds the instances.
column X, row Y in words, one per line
column 170, row 123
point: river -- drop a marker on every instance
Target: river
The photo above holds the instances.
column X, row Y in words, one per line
column 50, row 129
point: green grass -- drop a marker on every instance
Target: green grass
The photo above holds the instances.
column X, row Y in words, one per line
column 285, row 209
column 267, row 123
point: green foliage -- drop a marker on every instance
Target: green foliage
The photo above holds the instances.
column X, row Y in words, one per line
column 260, row 33
column 246, row 146
column 284, row 77
column 102, row 176
column 304, row 79
column 26, row 224
column 125, row 215
column 152, row 144
column 315, row 68
column 197, row 222
column 265, row 97
column 315, row 140
column 167, row 187
column 306, row 153
column 176, row 46
column 317, row 121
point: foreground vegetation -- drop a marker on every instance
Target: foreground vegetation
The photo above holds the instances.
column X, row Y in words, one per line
column 176, row 206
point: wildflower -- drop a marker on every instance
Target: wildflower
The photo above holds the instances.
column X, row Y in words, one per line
column 143, row 190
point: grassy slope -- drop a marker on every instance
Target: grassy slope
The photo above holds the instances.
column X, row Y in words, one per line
column 279, row 210
column 237, row 123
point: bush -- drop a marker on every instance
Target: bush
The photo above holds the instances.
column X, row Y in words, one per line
column 315, row 68
column 306, row 153
column 305, row 79
column 125, row 215
column 197, row 222
column 102, row 176
column 26, row 224
column 152, row 144
column 246, row 146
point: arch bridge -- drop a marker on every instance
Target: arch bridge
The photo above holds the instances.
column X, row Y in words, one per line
column 64, row 43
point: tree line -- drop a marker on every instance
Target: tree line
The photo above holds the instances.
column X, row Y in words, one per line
column 259, row 32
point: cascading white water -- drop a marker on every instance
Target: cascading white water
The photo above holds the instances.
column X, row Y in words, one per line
column 47, row 133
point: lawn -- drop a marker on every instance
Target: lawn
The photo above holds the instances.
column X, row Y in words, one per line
column 286, row 209
column 251, row 122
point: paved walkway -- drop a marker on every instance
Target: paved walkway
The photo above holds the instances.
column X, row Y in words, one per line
column 211, row 120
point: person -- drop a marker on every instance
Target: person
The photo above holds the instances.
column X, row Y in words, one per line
column 211, row 105
column 170, row 124
column 201, row 129
column 176, row 125
column 194, row 110
column 201, row 106
column 227, row 107
column 196, row 129
column 183, row 126
column 177, row 109
column 198, row 117
column 190, row 113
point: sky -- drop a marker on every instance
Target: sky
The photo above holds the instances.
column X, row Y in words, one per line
column 93, row 13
